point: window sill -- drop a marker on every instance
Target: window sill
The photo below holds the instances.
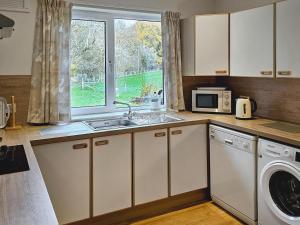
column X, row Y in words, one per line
column 110, row 114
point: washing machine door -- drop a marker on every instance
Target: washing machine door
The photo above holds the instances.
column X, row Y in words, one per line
column 280, row 185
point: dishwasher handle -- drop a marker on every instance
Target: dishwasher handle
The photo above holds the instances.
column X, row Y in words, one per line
column 227, row 141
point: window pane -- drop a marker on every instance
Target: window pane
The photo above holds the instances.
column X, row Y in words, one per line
column 138, row 60
column 88, row 63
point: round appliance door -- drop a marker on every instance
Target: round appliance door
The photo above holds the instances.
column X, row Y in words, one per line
column 280, row 186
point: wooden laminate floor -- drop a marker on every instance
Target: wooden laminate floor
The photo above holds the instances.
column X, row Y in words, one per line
column 204, row 214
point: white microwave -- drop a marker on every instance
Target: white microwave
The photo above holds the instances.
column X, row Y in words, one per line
column 212, row 100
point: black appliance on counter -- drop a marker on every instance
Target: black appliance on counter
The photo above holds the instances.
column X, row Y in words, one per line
column 13, row 159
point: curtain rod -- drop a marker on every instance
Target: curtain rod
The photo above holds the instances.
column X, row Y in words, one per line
column 116, row 8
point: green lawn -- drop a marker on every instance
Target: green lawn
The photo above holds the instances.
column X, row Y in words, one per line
column 127, row 89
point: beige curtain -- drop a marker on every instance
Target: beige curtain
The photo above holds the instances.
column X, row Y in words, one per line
column 50, row 88
column 172, row 60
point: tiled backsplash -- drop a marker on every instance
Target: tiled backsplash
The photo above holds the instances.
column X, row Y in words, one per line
column 19, row 86
column 277, row 99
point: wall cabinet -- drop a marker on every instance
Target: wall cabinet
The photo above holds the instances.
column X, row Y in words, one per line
column 288, row 36
column 251, row 42
column 112, row 173
column 66, row 171
column 150, row 166
column 205, row 40
column 188, row 158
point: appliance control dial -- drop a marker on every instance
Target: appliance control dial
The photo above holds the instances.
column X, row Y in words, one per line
column 286, row 153
column 245, row 145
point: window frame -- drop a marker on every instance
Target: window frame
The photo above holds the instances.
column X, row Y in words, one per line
column 108, row 16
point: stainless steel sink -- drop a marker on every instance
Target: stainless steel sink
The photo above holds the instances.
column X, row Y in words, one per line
column 158, row 120
column 107, row 124
column 140, row 120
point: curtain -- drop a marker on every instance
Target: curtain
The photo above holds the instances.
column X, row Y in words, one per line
column 172, row 60
column 50, row 86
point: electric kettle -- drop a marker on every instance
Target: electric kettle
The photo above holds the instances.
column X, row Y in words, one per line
column 4, row 112
column 245, row 106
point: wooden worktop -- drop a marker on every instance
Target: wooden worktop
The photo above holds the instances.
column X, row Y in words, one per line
column 24, row 199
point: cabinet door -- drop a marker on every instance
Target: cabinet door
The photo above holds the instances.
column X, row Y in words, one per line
column 188, row 158
column 112, row 173
column 251, row 43
column 66, row 171
column 212, row 45
column 288, row 39
column 150, row 166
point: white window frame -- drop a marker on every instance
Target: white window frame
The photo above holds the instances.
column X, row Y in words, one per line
column 108, row 16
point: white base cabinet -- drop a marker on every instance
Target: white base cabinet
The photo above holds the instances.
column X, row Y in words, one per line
column 150, row 166
column 111, row 173
column 147, row 164
column 188, row 158
column 66, row 171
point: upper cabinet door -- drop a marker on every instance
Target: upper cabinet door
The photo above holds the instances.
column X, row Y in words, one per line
column 252, row 43
column 288, row 39
column 211, row 45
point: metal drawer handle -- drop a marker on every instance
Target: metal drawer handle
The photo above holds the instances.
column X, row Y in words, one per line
column 104, row 142
column 80, row 146
column 176, row 132
column 266, row 73
column 228, row 142
column 162, row 134
column 221, row 71
column 285, row 73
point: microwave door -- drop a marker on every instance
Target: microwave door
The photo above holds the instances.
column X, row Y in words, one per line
column 205, row 102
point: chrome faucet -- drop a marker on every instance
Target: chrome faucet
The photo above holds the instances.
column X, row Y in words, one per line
column 130, row 113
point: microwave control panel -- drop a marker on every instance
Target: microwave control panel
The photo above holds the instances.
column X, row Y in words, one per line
column 227, row 101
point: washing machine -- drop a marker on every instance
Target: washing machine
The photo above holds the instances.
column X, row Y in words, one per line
column 278, row 184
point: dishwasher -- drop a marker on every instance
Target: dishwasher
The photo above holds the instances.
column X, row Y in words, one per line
column 233, row 172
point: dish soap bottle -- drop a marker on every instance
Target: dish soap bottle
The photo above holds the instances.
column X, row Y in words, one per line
column 155, row 103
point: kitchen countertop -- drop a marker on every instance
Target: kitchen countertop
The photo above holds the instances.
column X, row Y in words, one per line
column 24, row 199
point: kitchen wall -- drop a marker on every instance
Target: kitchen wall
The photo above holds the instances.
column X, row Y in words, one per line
column 16, row 52
column 277, row 99
column 238, row 5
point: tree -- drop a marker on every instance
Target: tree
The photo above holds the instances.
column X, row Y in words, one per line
column 88, row 49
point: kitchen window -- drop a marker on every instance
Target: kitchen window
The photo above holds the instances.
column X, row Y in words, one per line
column 115, row 55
